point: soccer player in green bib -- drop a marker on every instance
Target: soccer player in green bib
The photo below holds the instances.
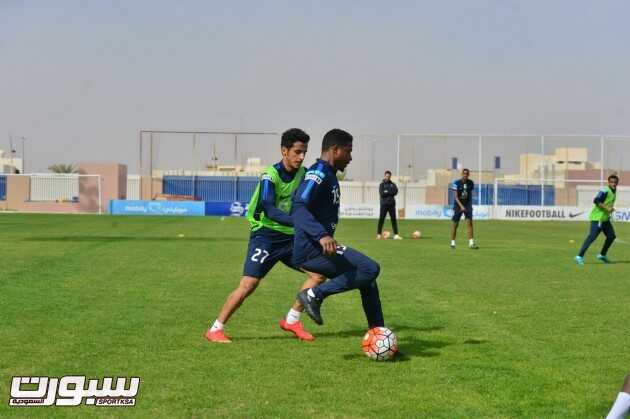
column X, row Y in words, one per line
column 271, row 237
column 600, row 220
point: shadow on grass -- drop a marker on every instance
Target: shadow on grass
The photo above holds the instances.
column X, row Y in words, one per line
column 410, row 348
column 341, row 333
column 614, row 262
column 475, row 341
column 113, row 239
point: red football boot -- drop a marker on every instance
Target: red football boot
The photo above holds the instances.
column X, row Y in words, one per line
column 217, row 336
column 297, row 329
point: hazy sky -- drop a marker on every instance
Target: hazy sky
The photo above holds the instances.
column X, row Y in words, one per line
column 79, row 78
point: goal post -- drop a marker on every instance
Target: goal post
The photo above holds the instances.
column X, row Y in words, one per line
column 197, row 153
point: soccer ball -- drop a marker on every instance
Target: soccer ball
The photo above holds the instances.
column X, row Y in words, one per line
column 386, row 234
column 379, row 343
column 416, row 234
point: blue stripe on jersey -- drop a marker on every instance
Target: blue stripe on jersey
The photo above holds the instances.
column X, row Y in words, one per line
column 311, row 184
column 307, row 191
column 601, row 196
column 265, row 189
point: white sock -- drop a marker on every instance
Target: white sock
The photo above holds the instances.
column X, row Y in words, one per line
column 452, row 242
column 293, row 316
column 310, row 293
column 217, row 325
column 471, row 242
column 620, row 408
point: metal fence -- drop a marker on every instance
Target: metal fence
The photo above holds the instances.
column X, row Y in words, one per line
column 133, row 186
column 211, row 188
column 55, row 193
column 54, row 187
column 559, row 192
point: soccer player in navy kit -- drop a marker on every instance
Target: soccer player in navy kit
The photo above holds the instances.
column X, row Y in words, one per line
column 463, row 189
column 315, row 214
column 271, row 239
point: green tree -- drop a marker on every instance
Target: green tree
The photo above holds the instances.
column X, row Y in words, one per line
column 63, row 168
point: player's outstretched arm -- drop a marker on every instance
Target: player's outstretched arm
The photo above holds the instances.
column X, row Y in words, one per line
column 600, row 199
column 304, row 218
column 269, row 204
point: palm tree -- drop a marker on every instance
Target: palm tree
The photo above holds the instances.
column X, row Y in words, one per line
column 63, row 168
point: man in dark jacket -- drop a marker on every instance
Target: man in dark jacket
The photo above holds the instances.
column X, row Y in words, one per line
column 388, row 190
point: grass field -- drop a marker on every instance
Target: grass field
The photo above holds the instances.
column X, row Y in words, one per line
column 514, row 329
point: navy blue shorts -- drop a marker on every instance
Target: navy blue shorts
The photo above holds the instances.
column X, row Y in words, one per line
column 467, row 212
column 346, row 259
column 264, row 252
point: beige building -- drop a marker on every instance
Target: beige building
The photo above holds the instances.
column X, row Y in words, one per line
column 553, row 166
column 9, row 164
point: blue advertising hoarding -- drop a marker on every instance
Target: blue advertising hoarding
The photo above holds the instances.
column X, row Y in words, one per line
column 181, row 208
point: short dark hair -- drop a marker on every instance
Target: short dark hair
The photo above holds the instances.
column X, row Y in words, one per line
column 613, row 176
column 387, row 172
column 292, row 136
column 336, row 137
column 466, row 170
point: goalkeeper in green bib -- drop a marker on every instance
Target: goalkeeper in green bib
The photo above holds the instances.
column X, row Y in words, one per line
column 271, row 237
column 600, row 220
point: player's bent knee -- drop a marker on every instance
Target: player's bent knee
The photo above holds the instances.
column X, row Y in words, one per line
column 372, row 269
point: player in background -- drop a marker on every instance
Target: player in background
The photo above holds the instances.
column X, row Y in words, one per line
column 387, row 191
column 271, row 238
column 316, row 215
column 600, row 220
column 621, row 407
column 463, row 190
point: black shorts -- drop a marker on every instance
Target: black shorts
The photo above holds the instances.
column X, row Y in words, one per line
column 467, row 212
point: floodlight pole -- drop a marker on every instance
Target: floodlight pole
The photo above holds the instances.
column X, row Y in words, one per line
column 100, row 193
column 480, row 162
column 140, row 163
column 151, row 165
column 542, row 175
column 601, row 165
column 23, row 158
column 194, row 149
column 398, row 157
column 372, row 142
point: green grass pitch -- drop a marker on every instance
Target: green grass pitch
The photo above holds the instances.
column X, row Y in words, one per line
column 514, row 329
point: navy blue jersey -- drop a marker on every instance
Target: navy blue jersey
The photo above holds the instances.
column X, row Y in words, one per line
column 315, row 209
column 463, row 191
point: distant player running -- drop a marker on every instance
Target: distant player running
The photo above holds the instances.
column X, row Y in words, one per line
column 316, row 215
column 463, row 190
column 271, row 238
column 600, row 220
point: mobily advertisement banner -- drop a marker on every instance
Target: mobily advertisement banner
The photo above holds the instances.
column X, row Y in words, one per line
column 180, row 208
column 439, row 212
column 232, row 209
column 359, row 211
